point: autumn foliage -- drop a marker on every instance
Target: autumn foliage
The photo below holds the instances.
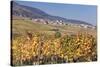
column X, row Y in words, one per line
column 48, row 49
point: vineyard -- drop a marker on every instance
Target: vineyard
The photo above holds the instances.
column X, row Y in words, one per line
column 51, row 33
column 41, row 48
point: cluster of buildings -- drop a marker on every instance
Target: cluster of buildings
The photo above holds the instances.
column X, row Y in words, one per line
column 60, row 22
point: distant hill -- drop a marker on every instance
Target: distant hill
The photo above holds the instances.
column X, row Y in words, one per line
column 35, row 13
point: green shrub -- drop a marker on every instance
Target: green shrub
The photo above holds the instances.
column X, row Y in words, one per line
column 57, row 34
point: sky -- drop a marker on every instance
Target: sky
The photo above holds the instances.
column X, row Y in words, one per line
column 87, row 13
